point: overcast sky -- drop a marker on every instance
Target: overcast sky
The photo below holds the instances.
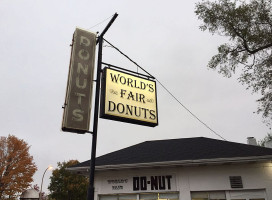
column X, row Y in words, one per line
column 161, row 36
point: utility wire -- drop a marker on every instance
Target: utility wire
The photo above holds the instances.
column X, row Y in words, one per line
column 129, row 59
column 190, row 111
column 100, row 22
column 171, row 94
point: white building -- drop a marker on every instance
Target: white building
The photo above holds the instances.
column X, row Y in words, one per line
column 183, row 169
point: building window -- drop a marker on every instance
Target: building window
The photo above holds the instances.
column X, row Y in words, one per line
column 168, row 196
column 118, row 197
column 141, row 196
column 149, row 196
column 249, row 199
column 208, row 195
column 127, row 197
column 256, row 199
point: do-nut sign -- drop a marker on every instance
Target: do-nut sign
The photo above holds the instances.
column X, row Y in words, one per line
column 77, row 107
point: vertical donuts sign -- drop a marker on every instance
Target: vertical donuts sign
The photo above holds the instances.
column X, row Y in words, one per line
column 77, row 106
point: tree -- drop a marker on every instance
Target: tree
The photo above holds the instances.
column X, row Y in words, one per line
column 248, row 26
column 16, row 167
column 267, row 138
column 67, row 186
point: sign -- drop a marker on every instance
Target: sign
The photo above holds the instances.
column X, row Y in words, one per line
column 143, row 183
column 128, row 98
column 77, row 107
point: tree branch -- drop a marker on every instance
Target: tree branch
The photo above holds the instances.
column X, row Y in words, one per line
column 261, row 48
column 246, row 45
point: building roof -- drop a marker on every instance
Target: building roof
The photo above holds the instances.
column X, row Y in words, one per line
column 186, row 150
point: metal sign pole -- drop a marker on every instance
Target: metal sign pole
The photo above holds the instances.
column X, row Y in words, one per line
column 90, row 195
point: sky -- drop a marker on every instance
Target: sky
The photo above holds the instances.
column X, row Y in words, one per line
column 163, row 37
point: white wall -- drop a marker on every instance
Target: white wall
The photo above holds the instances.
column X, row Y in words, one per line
column 186, row 179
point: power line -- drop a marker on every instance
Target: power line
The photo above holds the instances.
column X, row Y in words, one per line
column 129, row 59
column 168, row 91
column 100, row 22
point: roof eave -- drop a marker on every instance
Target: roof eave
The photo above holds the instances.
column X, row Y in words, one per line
column 215, row 161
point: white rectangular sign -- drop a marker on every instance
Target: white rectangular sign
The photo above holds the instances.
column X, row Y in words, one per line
column 139, row 184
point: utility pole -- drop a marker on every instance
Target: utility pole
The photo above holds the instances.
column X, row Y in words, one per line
column 96, row 109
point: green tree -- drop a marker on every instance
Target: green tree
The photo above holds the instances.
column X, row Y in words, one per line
column 267, row 138
column 248, row 26
column 65, row 185
column 16, row 167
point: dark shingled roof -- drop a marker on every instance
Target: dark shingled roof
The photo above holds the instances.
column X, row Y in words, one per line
column 178, row 150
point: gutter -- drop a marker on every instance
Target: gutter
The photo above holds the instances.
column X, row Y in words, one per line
column 216, row 161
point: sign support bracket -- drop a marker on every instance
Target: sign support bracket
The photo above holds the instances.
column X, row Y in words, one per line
column 99, row 41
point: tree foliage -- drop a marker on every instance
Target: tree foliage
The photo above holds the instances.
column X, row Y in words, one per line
column 67, row 186
column 267, row 138
column 16, row 167
column 248, row 26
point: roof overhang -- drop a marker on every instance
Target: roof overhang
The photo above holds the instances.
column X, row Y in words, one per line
column 216, row 161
